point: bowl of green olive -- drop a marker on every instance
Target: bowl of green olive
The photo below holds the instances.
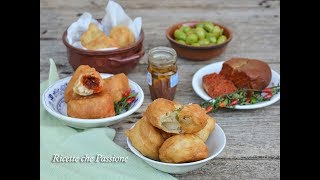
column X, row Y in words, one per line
column 198, row 40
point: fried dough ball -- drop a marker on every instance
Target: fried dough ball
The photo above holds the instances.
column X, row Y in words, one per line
column 162, row 113
column 91, row 107
column 68, row 93
column 94, row 39
column 146, row 138
column 183, row 148
column 116, row 86
column 122, row 35
column 207, row 130
column 192, row 118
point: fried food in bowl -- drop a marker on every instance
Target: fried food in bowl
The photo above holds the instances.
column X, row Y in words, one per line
column 122, row 35
column 215, row 143
column 183, row 148
column 91, row 107
column 116, row 86
column 146, row 138
column 192, row 118
column 81, row 101
column 207, row 130
column 162, row 113
column 94, row 39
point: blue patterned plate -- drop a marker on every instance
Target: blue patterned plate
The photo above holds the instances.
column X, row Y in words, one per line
column 53, row 102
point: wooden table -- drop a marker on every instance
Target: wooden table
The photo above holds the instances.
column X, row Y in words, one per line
column 253, row 136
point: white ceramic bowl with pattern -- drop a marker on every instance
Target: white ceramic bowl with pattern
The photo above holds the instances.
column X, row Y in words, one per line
column 53, row 102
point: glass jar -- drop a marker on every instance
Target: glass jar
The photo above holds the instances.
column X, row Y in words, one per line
column 162, row 73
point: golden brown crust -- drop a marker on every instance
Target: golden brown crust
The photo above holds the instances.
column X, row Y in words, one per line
column 192, row 118
column 116, row 86
column 146, row 138
column 90, row 34
column 161, row 114
column 91, row 107
column 122, row 35
column 101, row 42
column 68, row 93
column 183, row 148
column 207, row 130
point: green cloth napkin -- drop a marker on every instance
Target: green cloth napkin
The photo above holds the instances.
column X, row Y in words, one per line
column 63, row 141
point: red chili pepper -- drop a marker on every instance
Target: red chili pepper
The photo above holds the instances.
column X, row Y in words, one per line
column 234, row 102
column 248, row 100
column 130, row 100
column 126, row 94
column 222, row 105
column 208, row 109
column 268, row 96
column 267, row 90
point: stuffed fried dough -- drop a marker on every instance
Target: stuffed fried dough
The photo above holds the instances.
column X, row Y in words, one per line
column 116, row 86
column 183, row 148
column 91, row 107
column 146, row 138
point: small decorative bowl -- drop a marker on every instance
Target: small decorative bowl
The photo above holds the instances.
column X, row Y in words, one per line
column 216, row 143
column 197, row 53
column 121, row 60
column 53, row 102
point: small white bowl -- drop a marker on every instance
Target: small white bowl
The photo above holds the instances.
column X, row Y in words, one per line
column 53, row 102
column 216, row 143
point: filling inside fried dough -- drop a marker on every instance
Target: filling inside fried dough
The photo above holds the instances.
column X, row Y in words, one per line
column 170, row 122
column 87, row 84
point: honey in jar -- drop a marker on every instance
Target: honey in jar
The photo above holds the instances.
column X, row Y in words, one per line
column 162, row 73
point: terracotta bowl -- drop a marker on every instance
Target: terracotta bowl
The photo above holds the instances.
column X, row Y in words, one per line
column 197, row 53
column 121, row 60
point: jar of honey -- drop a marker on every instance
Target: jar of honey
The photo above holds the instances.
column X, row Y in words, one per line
column 162, row 73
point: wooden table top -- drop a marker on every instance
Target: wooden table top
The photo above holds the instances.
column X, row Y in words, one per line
column 253, row 136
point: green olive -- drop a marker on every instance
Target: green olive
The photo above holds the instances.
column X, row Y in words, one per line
column 179, row 35
column 216, row 31
column 213, row 39
column 221, row 32
column 208, row 26
column 200, row 24
column 185, row 29
column 200, row 32
column 192, row 38
column 195, row 44
column 181, row 42
column 221, row 39
column 191, row 31
column 204, row 42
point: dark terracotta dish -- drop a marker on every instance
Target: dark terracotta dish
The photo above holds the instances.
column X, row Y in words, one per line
column 121, row 60
column 201, row 53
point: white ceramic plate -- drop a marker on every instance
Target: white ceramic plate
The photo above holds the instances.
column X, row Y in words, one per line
column 216, row 67
column 215, row 142
column 53, row 102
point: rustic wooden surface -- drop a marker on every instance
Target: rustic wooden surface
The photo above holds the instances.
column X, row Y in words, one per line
column 253, row 136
